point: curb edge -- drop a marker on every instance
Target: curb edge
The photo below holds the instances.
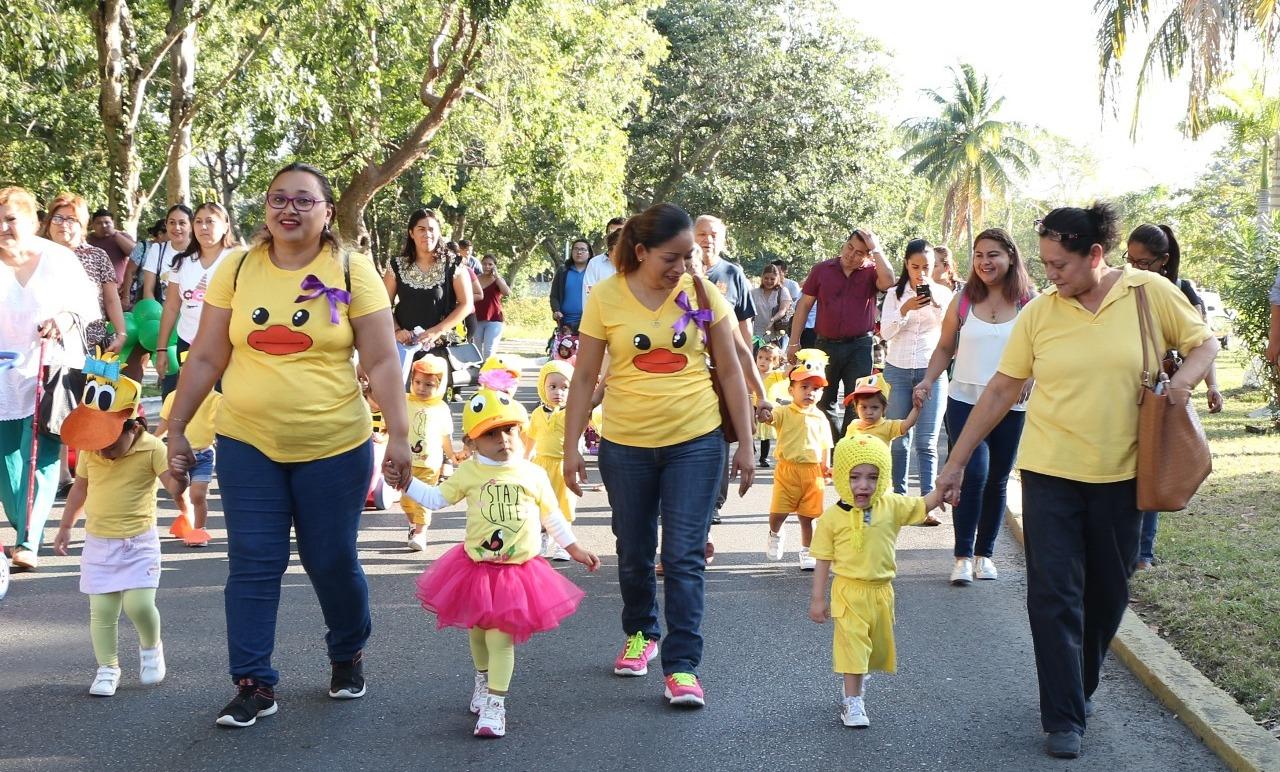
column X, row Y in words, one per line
column 1211, row 714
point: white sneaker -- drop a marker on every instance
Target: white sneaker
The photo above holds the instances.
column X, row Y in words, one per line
column 417, row 542
column 807, row 563
column 962, row 574
column 546, row 545
column 560, row 553
column 773, row 548
column 985, row 569
column 105, row 682
column 853, row 712
column 493, row 717
column 480, row 693
column 151, row 669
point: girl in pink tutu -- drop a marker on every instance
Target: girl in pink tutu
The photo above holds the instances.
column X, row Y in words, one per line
column 495, row 584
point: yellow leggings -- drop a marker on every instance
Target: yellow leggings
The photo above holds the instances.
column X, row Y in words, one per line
column 494, row 652
column 104, row 622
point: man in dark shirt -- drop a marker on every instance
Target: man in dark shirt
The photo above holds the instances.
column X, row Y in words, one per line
column 845, row 290
column 117, row 244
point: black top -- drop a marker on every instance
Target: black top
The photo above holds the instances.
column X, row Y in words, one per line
column 419, row 302
column 1190, row 293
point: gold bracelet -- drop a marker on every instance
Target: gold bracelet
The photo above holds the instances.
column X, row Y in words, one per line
column 179, row 420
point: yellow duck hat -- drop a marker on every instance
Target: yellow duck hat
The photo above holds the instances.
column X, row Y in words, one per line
column 559, row 366
column 105, row 405
column 489, row 409
column 810, row 363
column 854, row 451
column 875, row 383
column 495, row 362
column 431, row 365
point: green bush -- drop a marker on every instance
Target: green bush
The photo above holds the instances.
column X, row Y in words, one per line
column 1252, row 263
column 527, row 318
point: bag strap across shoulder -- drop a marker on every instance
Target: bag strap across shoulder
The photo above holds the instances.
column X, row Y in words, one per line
column 1146, row 330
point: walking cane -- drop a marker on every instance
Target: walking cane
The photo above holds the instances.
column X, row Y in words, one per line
column 35, row 441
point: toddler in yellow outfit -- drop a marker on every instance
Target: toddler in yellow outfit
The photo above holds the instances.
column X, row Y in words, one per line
column 804, row 440
column 855, row 539
column 769, row 361
column 201, row 435
column 430, row 438
column 870, row 398
column 546, row 432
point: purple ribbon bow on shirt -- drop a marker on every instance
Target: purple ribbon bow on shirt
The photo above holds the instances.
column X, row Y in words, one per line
column 701, row 317
column 317, row 288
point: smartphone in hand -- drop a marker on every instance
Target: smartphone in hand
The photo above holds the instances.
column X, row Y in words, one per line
column 924, row 291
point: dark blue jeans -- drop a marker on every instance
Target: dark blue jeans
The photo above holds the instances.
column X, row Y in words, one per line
column 321, row 501
column 986, row 477
column 847, row 361
column 676, row 486
column 1147, row 541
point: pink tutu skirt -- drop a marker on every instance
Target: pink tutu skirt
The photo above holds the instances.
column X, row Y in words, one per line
column 519, row 599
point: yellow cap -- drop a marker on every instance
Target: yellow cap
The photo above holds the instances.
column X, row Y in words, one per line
column 496, row 362
column 489, row 409
column 104, row 406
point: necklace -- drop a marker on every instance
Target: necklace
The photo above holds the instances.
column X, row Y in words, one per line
column 418, row 278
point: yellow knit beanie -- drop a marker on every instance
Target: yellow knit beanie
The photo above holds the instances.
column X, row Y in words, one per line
column 854, row 451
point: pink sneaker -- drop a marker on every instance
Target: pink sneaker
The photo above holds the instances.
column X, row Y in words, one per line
column 636, row 655
column 684, row 689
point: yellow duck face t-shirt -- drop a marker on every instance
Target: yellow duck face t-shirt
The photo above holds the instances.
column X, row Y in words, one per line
column 505, row 504
column 290, row 388
column 658, row 391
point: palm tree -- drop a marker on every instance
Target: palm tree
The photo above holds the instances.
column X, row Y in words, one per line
column 1253, row 119
column 1197, row 34
column 965, row 153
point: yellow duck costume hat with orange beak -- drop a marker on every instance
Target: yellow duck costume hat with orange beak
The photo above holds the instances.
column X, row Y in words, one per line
column 105, row 405
column 491, row 408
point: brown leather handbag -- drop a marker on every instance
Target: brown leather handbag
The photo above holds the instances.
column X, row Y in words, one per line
column 1173, row 452
column 726, row 417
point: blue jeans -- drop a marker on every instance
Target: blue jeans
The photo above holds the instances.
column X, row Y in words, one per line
column 487, row 336
column 986, row 477
column 675, row 485
column 321, row 501
column 847, row 361
column 1147, row 541
column 923, row 437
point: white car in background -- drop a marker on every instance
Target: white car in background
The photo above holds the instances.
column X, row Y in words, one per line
column 1219, row 318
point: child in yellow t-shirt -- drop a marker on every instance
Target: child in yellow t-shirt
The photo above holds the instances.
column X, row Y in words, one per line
column 495, row 583
column 804, row 440
column 546, row 432
column 769, row 362
column 855, row 540
column 200, row 435
column 430, row 438
column 870, row 398
column 115, row 489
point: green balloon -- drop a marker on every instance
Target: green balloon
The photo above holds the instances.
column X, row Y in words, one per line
column 174, row 364
column 147, row 309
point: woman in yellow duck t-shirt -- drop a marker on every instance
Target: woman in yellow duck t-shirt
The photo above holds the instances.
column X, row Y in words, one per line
column 663, row 449
column 280, row 327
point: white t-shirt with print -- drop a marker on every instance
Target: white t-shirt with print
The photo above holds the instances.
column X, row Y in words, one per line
column 191, row 279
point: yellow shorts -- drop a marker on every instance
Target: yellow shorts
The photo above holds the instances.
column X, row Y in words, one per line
column 418, row 515
column 555, row 470
column 863, row 616
column 797, row 488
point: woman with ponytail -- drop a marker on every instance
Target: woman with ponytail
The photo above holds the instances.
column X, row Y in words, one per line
column 1154, row 248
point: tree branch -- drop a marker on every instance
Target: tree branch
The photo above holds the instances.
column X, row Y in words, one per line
column 148, row 70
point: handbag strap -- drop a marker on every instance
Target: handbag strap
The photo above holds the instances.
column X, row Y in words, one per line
column 701, row 293
column 1146, row 330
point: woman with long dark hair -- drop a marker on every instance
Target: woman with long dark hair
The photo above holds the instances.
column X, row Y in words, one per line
column 430, row 291
column 910, row 323
column 663, row 448
column 1155, row 248
column 281, row 325
column 975, row 330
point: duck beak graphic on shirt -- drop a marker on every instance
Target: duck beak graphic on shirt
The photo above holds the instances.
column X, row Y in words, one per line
column 660, row 360
column 279, row 339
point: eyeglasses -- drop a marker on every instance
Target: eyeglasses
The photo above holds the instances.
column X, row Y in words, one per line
column 1144, row 265
column 1051, row 234
column 59, row 219
column 302, row 203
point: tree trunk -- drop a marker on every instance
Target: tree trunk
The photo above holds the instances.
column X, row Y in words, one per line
column 1273, row 197
column 182, row 92
column 116, row 64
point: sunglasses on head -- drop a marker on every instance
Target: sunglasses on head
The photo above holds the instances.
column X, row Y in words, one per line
column 1051, row 234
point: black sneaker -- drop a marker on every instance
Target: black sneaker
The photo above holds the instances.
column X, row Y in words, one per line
column 347, row 681
column 1063, row 745
column 252, row 702
column 764, row 463
column 715, row 517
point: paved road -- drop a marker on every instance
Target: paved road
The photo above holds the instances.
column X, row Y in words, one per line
column 964, row 697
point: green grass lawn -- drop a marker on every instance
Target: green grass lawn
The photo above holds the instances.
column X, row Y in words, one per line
column 1215, row 590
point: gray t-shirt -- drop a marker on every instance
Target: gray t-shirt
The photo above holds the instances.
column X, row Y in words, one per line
column 732, row 282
